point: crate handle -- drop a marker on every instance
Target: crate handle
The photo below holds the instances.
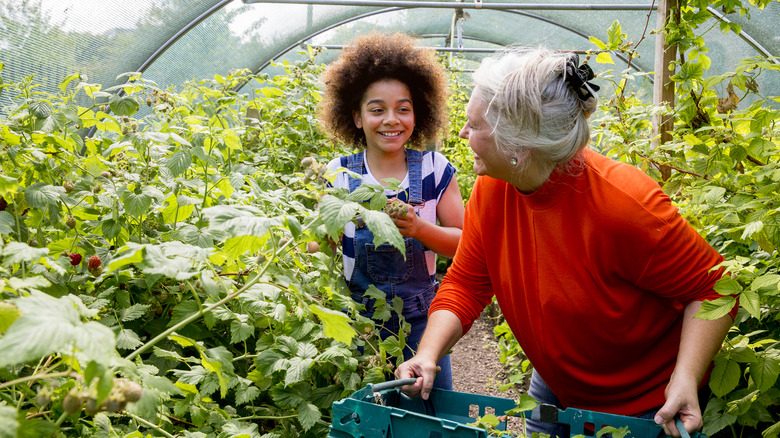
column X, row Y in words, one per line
column 393, row 384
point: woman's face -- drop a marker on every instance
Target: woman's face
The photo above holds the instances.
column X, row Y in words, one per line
column 487, row 159
column 386, row 115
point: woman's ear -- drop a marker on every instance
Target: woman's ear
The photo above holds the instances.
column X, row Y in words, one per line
column 357, row 119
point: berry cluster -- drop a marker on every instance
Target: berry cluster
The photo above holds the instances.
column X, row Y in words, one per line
column 95, row 266
column 315, row 171
column 396, row 208
column 124, row 391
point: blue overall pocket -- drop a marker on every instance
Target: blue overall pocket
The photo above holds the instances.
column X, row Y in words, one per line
column 387, row 265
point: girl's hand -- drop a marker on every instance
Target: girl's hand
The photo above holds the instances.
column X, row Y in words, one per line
column 404, row 217
column 681, row 400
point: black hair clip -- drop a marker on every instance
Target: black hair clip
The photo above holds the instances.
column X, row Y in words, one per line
column 578, row 77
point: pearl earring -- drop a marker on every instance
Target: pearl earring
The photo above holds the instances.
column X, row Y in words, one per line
column 513, row 161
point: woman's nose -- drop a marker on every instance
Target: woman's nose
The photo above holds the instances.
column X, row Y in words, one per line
column 463, row 133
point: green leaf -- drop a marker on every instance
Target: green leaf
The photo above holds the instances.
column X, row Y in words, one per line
column 7, row 223
column 604, row 58
column 384, row 229
column 15, row 253
column 132, row 253
column 36, row 428
column 598, row 43
column 8, row 421
column 764, row 372
column 174, row 259
column 8, row 186
column 751, row 229
column 715, row 417
column 615, row 35
column 240, row 331
column 41, row 195
column 136, row 205
column 128, row 340
column 40, row 108
column 123, row 105
column 133, row 312
column 335, row 324
column 246, row 394
column 335, row 214
column 762, row 118
column 179, row 162
column 266, row 361
column 750, row 301
column 718, row 308
column 724, row 377
column 8, row 314
column 308, row 415
column 728, row 286
column 298, row 370
column 49, row 325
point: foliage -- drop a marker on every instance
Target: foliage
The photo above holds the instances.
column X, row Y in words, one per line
column 157, row 274
column 721, row 168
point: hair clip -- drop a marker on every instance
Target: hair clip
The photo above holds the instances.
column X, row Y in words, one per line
column 578, row 77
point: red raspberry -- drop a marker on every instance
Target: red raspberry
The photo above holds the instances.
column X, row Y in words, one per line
column 94, row 262
column 75, row 258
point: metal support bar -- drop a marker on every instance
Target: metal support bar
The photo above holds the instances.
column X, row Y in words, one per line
column 446, row 49
column 469, row 5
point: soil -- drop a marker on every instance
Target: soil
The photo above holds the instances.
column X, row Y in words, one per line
column 476, row 368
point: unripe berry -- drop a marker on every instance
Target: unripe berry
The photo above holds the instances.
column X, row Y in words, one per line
column 70, row 222
column 94, row 262
column 312, row 247
column 68, row 186
column 71, row 403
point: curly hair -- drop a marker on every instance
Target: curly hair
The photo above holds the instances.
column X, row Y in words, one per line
column 375, row 57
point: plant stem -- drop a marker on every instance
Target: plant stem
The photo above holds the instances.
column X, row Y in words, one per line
column 33, row 377
column 265, row 417
column 148, row 424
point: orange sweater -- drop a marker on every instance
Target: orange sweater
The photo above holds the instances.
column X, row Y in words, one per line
column 592, row 272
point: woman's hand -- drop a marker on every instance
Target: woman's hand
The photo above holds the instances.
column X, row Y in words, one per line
column 682, row 399
column 425, row 371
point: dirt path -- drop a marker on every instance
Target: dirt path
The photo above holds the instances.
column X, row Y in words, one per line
column 476, row 368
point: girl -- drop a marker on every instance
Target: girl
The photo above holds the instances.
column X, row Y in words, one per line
column 388, row 98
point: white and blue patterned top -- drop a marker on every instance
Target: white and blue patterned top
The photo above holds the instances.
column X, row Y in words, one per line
column 437, row 173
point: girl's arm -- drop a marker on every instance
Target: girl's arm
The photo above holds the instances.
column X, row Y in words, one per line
column 443, row 238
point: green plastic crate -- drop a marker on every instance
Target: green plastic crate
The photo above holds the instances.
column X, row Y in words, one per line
column 382, row 411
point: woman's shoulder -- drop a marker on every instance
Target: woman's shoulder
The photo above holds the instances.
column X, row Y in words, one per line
column 628, row 187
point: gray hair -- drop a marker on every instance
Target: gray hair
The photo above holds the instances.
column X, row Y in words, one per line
column 534, row 114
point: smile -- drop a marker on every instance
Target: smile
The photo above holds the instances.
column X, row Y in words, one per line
column 390, row 134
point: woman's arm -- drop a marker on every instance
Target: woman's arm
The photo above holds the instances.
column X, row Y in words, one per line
column 443, row 331
column 699, row 342
column 441, row 239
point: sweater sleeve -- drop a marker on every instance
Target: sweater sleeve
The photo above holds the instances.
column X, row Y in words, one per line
column 466, row 288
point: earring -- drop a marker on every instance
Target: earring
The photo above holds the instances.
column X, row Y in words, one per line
column 513, row 161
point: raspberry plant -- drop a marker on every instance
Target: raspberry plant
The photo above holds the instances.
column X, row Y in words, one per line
column 199, row 311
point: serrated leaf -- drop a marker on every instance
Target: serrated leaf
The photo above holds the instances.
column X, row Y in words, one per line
column 123, row 105
column 40, row 108
column 128, row 340
column 133, row 312
column 7, row 223
column 598, row 43
column 308, row 415
column 266, row 361
column 42, row 195
column 714, row 309
column 179, row 162
column 384, row 229
column 8, row 314
column 335, row 324
column 750, row 301
column 724, row 377
column 286, row 398
column 298, row 370
column 246, row 394
column 182, row 311
column 335, row 214
column 8, row 421
column 240, row 331
column 136, row 204
column 764, row 372
column 15, row 253
column 728, row 286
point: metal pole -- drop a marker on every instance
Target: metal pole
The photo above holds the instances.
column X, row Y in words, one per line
column 478, row 4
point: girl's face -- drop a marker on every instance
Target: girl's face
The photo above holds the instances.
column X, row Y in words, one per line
column 386, row 115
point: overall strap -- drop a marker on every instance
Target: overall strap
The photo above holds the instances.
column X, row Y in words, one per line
column 414, row 164
column 355, row 164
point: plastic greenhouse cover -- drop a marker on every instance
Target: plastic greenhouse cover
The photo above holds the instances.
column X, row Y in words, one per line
column 172, row 41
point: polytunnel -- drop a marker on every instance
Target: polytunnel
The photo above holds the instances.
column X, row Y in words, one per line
column 170, row 41
column 193, row 243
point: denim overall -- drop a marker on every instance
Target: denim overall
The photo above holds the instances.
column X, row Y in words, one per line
column 385, row 268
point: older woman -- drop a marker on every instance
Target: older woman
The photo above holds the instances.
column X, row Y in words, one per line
column 596, row 272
